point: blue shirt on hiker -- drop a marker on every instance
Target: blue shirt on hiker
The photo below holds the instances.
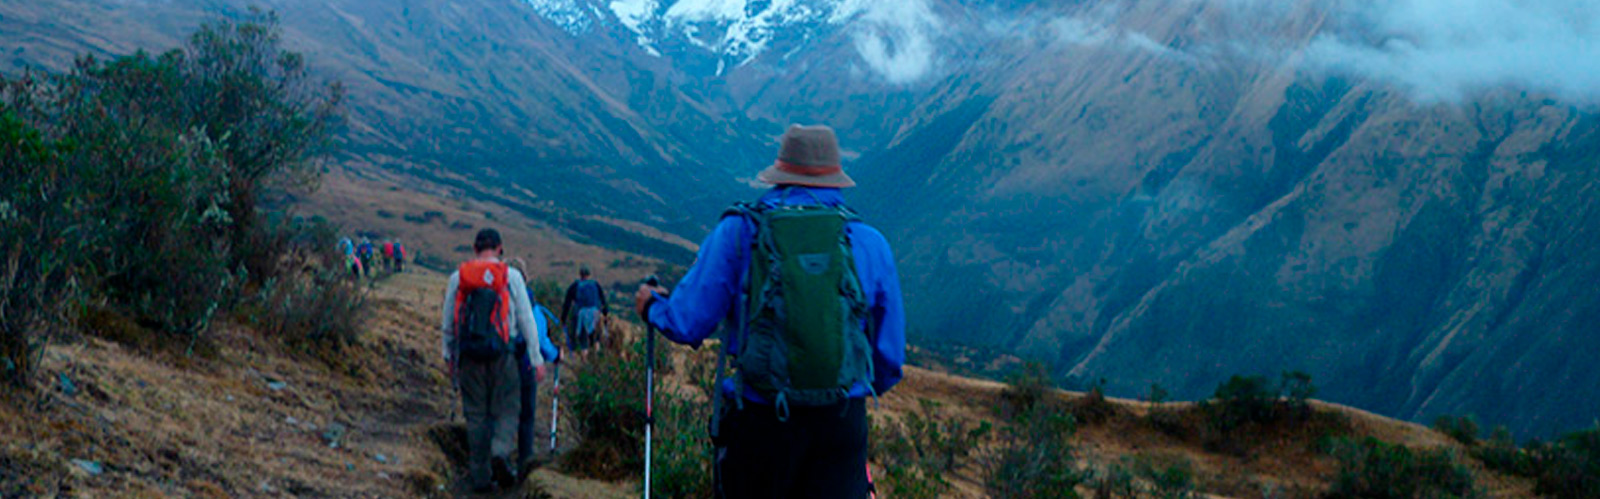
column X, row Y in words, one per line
column 708, row 293
column 541, row 316
column 546, row 348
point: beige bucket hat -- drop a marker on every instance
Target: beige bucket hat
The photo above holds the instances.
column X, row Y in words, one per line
column 808, row 157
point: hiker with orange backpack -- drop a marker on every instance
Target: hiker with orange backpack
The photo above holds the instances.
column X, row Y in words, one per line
column 486, row 310
column 388, row 255
column 818, row 326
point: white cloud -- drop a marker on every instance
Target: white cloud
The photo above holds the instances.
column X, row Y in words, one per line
column 1446, row 50
column 1436, row 50
column 896, row 38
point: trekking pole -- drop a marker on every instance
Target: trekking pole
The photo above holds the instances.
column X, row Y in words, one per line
column 555, row 407
column 649, row 387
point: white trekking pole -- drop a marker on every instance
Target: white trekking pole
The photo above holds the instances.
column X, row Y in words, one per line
column 649, row 388
column 555, row 407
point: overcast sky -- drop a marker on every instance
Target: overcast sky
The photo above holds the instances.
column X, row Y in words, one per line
column 1437, row 50
column 1450, row 49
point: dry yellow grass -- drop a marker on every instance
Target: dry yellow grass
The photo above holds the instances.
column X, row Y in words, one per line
column 215, row 427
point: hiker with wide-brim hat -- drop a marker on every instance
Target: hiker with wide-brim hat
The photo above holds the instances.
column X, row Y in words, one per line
column 823, row 294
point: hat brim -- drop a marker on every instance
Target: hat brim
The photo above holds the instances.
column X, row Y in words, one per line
column 772, row 175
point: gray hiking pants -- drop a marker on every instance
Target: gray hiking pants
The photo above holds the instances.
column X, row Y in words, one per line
column 491, row 400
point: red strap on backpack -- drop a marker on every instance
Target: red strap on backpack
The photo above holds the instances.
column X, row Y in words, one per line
column 479, row 274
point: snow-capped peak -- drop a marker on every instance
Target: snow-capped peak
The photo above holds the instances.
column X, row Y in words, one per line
column 894, row 34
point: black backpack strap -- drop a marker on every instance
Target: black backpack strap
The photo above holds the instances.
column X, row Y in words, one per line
column 751, row 212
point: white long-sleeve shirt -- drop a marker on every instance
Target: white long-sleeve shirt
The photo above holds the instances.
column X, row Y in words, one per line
column 521, row 323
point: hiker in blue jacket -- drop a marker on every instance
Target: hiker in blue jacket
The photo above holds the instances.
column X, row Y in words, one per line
column 766, row 446
column 588, row 298
column 526, row 427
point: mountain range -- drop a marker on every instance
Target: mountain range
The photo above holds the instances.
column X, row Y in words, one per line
column 1394, row 197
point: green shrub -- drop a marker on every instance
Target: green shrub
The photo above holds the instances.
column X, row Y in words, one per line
column 1140, row 476
column 1092, row 408
column 1115, row 482
column 607, row 404
column 1463, row 429
column 1371, row 468
column 922, row 447
column 942, row 442
column 606, row 400
column 1035, row 456
column 683, row 451
column 136, row 182
column 40, row 243
column 913, row 482
column 1570, row 467
column 1171, row 481
column 1025, row 388
column 1244, row 400
column 311, row 302
column 1296, row 389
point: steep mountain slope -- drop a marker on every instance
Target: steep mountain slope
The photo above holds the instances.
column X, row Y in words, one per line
column 1148, row 205
column 483, row 94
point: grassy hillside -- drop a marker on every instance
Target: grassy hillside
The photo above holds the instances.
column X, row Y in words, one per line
column 254, row 418
column 437, row 223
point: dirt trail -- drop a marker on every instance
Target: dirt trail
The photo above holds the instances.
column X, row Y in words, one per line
column 253, row 418
column 408, row 306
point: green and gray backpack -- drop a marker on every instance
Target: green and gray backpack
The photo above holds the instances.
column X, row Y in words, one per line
column 802, row 317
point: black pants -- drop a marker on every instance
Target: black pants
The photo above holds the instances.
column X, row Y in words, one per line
column 527, row 429
column 818, row 452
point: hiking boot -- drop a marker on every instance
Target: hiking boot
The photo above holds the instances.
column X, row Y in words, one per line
column 503, row 474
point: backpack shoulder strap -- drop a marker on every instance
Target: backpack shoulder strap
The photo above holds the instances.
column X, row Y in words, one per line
column 748, row 210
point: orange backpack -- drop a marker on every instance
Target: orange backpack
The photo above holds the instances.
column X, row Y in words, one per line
column 483, row 307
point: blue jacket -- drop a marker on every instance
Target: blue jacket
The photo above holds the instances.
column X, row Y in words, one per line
column 541, row 319
column 541, row 315
column 709, row 292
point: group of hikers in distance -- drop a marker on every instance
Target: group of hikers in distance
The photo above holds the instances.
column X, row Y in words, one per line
column 813, row 324
column 363, row 259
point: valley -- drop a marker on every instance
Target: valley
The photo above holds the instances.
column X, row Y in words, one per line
column 1140, row 192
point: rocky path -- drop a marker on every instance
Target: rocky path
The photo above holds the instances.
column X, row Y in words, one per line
column 253, row 418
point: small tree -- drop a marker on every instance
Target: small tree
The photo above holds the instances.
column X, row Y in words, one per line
column 42, row 235
column 1463, row 429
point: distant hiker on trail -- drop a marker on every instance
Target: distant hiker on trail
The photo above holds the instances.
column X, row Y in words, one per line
column 526, row 427
column 486, row 310
column 346, row 247
column 365, row 252
column 388, row 255
column 590, row 299
column 795, row 428
column 399, row 257
column 353, row 264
